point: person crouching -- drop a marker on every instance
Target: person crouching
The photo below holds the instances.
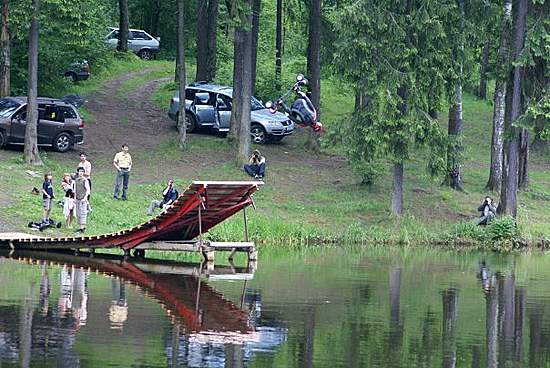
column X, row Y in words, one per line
column 256, row 165
column 169, row 195
column 81, row 194
column 488, row 211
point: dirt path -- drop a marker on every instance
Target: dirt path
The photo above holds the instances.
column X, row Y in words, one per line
column 134, row 120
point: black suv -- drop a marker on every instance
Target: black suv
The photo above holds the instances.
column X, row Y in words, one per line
column 59, row 124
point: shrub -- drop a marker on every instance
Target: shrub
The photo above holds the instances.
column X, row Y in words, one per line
column 502, row 228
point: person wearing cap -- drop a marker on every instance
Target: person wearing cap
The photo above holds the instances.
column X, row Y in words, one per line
column 169, row 195
column 256, row 165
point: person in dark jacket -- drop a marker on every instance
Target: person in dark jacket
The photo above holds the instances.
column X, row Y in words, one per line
column 488, row 211
column 169, row 195
column 256, row 165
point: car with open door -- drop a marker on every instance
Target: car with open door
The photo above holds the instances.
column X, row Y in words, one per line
column 59, row 124
column 210, row 105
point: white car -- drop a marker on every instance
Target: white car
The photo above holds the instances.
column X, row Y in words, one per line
column 139, row 42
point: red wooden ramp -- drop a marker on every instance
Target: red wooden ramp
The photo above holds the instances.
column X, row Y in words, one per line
column 203, row 205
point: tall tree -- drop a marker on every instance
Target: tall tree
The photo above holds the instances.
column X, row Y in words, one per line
column 242, row 81
column 5, row 58
column 256, row 9
column 454, row 179
column 32, row 156
column 314, row 64
column 180, row 67
column 393, row 84
column 484, row 63
column 278, row 42
column 207, row 21
column 123, row 26
column 508, row 193
column 499, row 100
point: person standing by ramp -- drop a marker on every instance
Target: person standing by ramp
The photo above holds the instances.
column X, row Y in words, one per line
column 123, row 165
column 81, row 193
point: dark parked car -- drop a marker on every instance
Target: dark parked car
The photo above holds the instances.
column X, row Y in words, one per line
column 59, row 124
column 79, row 70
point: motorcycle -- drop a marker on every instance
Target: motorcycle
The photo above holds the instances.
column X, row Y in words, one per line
column 302, row 111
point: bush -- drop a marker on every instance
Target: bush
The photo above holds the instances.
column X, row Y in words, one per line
column 502, row 228
column 468, row 230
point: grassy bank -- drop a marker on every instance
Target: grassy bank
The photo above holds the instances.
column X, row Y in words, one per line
column 307, row 198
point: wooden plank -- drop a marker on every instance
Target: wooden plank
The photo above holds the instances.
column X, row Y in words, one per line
column 230, row 245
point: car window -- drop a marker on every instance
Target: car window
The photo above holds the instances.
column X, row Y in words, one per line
column 138, row 35
column 114, row 35
column 226, row 103
column 7, row 107
column 190, row 94
column 255, row 104
column 66, row 112
column 49, row 112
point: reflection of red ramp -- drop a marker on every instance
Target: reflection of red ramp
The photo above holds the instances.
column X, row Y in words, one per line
column 177, row 294
column 219, row 199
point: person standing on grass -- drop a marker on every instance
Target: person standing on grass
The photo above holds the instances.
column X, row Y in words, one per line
column 47, row 197
column 68, row 200
column 81, row 193
column 87, row 166
column 123, row 165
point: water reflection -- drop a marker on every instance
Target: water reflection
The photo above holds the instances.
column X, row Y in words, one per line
column 380, row 308
column 207, row 329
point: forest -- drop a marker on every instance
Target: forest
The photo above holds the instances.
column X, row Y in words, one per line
column 408, row 65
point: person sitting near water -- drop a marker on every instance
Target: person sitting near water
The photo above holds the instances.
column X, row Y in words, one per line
column 256, row 165
column 488, row 211
column 169, row 195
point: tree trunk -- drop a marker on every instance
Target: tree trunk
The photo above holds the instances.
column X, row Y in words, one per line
column 482, row 92
column 123, row 25
column 397, row 189
column 314, row 66
column 5, row 58
column 256, row 9
column 499, row 110
column 491, row 325
column 212, row 41
column 450, row 317
column 278, row 42
column 202, row 41
column 454, row 179
column 242, row 87
column 181, row 74
column 31, row 153
column 508, row 196
column 155, row 18
column 523, row 170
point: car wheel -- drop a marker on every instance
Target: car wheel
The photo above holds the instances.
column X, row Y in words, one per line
column 190, row 123
column 258, row 134
column 2, row 139
column 72, row 77
column 62, row 142
column 145, row 54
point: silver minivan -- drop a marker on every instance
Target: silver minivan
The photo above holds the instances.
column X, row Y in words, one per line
column 139, row 42
column 209, row 106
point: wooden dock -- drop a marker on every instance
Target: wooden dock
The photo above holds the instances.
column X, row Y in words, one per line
column 181, row 227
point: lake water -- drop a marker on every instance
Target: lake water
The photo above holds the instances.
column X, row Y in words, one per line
column 320, row 307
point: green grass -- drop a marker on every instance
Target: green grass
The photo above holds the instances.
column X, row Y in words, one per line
column 306, row 199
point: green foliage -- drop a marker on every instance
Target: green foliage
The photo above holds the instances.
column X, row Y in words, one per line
column 70, row 30
column 502, row 228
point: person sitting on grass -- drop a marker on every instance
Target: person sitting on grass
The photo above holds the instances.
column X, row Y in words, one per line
column 488, row 211
column 169, row 195
column 47, row 197
column 256, row 165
